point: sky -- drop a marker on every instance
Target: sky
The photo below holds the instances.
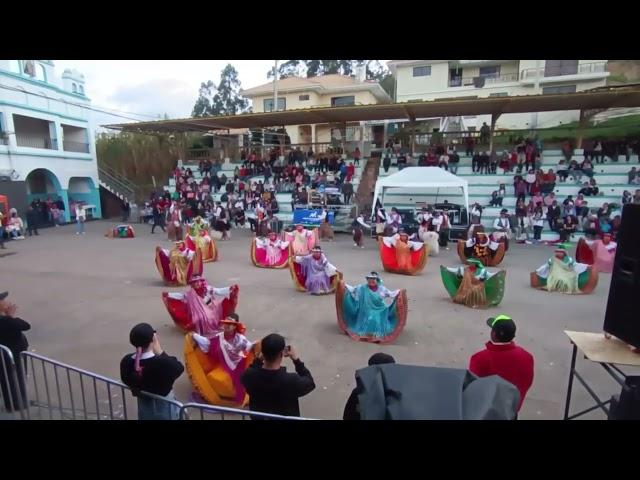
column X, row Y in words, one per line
column 147, row 89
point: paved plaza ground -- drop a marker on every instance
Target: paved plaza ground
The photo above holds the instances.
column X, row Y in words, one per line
column 82, row 294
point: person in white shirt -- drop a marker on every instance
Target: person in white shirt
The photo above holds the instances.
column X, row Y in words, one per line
column 81, row 217
column 502, row 228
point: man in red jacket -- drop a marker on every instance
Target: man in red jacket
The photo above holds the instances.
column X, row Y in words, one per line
column 504, row 358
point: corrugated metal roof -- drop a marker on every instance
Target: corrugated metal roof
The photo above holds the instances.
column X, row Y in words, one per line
column 612, row 98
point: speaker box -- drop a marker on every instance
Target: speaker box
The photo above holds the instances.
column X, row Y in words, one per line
column 622, row 318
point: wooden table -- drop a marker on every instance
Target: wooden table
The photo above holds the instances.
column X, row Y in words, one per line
column 609, row 353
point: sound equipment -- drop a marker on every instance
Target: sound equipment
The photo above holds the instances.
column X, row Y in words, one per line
column 622, row 318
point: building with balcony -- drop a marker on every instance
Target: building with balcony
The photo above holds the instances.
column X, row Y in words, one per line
column 323, row 91
column 438, row 79
column 47, row 145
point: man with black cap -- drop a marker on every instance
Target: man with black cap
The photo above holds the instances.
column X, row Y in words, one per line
column 503, row 357
column 150, row 370
column 270, row 387
column 12, row 337
column 352, row 408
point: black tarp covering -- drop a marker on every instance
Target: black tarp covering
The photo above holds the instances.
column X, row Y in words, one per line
column 407, row 392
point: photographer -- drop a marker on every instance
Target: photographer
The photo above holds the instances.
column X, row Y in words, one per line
column 270, row 387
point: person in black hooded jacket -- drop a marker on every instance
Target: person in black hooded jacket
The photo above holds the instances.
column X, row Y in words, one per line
column 352, row 407
column 12, row 337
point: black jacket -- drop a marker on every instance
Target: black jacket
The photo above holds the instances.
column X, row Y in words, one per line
column 277, row 391
column 352, row 407
column 158, row 373
column 11, row 335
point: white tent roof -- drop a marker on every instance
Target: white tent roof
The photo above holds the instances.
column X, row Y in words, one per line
column 419, row 178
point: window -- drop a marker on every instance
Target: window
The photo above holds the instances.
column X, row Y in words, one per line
column 423, row 71
column 499, row 94
column 268, row 104
column 343, row 101
column 81, row 89
column 74, row 88
column 490, row 72
column 40, row 73
column 556, row 68
column 303, row 98
column 561, row 89
column 14, row 66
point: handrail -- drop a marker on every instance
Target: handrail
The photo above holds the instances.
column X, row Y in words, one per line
column 488, row 79
column 583, row 69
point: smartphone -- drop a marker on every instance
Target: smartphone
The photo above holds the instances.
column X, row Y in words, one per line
column 287, row 349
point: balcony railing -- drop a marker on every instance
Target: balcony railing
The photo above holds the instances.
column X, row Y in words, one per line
column 583, row 69
column 4, row 139
column 36, row 142
column 69, row 146
column 482, row 80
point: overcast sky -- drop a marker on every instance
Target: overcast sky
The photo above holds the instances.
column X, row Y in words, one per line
column 148, row 88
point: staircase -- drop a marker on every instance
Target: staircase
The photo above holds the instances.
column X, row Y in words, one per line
column 119, row 185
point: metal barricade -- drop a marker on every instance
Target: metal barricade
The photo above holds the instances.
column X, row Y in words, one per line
column 45, row 389
column 203, row 411
column 57, row 391
column 12, row 388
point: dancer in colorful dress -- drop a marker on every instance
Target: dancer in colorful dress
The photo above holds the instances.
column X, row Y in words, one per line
column 301, row 239
column 363, row 313
column 313, row 273
column 176, row 266
column 228, row 354
column 481, row 247
column 401, row 255
column 429, row 237
column 599, row 253
column 473, row 285
column 561, row 273
column 270, row 252
column 198, row 238
column 121, row 231
column 202, row 306
column 358, row 226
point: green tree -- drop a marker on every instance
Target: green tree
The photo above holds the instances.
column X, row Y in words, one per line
column 223, row 99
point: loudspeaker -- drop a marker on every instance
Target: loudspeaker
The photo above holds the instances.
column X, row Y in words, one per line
column 622, row 318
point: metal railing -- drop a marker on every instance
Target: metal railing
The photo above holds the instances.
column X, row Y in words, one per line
column 36, row 142
column 482, row 80
column 12, row 388
column 203, row 411
column 40, row 388
column 582, row 69
column 119, row 183
column 70, row 146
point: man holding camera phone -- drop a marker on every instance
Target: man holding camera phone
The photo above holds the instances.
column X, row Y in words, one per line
column 270, row 387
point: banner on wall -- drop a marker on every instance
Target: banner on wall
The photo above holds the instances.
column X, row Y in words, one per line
column 311, row 217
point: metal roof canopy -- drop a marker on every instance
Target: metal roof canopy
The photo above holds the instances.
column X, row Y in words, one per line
column 591, row 100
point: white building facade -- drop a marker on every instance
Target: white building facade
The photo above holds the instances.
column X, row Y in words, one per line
column 46, row 137
column 438, row 79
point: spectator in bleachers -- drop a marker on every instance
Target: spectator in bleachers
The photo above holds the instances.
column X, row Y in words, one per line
column 475, row 162
column 549, row 199
column 569, row 227
column 530, row 178
column 626, row 197
column 476, row 211
column 520, row 187
column 484, row 163
column 553, row 215
column 535, row 190
column 632, row 176
column 347, row 191
column 598, row 155
column 567, row 150
column 495, row 201
column 523, row 222
column 548, row 181
column 604, row 210
column 590, row 225
column 563, row 170
column 443, row 161
column 587, row 168
column 568, row 206
column 469, row 146
column 575, row 170
column 581, row 207
column 529, row 151
column 521, row 155
column 485, row 133
column 636, row 196
column 538, row 222
column 505, row 163
column 493, row 162
column 356, row 156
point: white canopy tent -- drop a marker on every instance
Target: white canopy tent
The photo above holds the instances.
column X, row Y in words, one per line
column 427, row 179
